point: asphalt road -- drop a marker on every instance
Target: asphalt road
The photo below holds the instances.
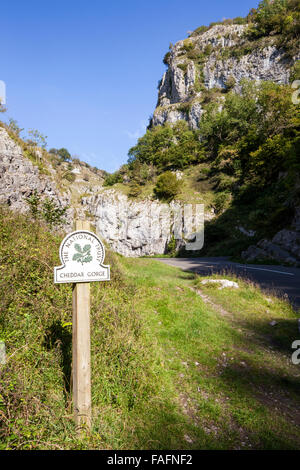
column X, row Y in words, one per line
column 283, row 280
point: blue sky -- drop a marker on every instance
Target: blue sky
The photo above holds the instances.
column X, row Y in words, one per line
column 85, row 73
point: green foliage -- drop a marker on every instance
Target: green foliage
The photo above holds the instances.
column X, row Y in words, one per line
column 136, row 375
column 14, row 127
column 69, row 176
column 168, row 147
column 295, row 71
column 230, row 82
column 167, row 186
column 52, row 213
column 280, row 18
column 37, row 138
column 166, row 59
column 234, row 134
column 129, row 382
column 113, row 178
column 64, row 154
column 134, row 189
column 270, row 158
column 33, row 202
column 183, row 67
column 46, row 210
column 208, row 49
column 253, row 147
column 200, row 30
column 171, row 248
column 184, row 107
column 239, row 20
column 269, row 16
column 221, row 202
column 140, row 173
column 188, row 45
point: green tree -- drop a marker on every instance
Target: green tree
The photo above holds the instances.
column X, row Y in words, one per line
column 64, row 154
column 33, row 202
column 37, row 138
column 168, row 147
column 46, row 210
column 113, row 178
column 269, row 16
column 167, row 186
column 53, row 214
column 14, row 127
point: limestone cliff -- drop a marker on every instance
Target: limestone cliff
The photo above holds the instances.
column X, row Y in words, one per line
column 131, row 228
column 139, row 228
column 19, row 177
column 215, row 59
column 207, row 62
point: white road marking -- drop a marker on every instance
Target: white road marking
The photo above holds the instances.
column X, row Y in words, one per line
column 268, row 270
column 206, row 265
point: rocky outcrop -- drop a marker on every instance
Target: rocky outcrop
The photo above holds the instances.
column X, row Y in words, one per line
column 284, row 246
column 19, row 178
column 202, row 62
column 131, row 228
column 208, row 60
column 139, row 228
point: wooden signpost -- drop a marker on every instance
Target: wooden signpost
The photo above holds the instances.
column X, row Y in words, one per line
column 82, row 254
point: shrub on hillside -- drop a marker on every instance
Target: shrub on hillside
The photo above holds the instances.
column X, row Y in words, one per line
column 36, row 138
column 113, row 178
column 167, row 186
column 69, row 176
column 36, row 325
column 280, row 18
column 168, row 147
column 47, row 210
column 221, row 202
column 134, row 190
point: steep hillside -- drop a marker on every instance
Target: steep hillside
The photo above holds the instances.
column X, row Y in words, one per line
column 225, row 133
column 161, row 379
column 226, row 127
column 210, row 62
column 26, row 168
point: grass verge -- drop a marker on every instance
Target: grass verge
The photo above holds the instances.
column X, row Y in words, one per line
column 169, row 369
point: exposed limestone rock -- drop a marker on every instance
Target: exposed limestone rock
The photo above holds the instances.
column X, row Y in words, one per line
column 224, row 283
column 284, row 246
column 139, row 228
column 266, row 64
column 132, row 228
column 19, row 178
column 181, row 80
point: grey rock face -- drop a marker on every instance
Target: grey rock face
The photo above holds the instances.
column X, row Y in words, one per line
column 19, row 178
column 284, row 246
column 179, row 83
column 266, row 64
column 138, row 228
column 132, row 228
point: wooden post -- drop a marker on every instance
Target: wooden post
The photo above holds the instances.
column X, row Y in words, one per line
column 81, row 349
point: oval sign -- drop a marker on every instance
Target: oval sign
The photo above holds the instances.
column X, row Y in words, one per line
column 82, row 254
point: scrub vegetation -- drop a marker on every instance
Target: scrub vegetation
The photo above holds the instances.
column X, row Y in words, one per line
column 169, row 369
